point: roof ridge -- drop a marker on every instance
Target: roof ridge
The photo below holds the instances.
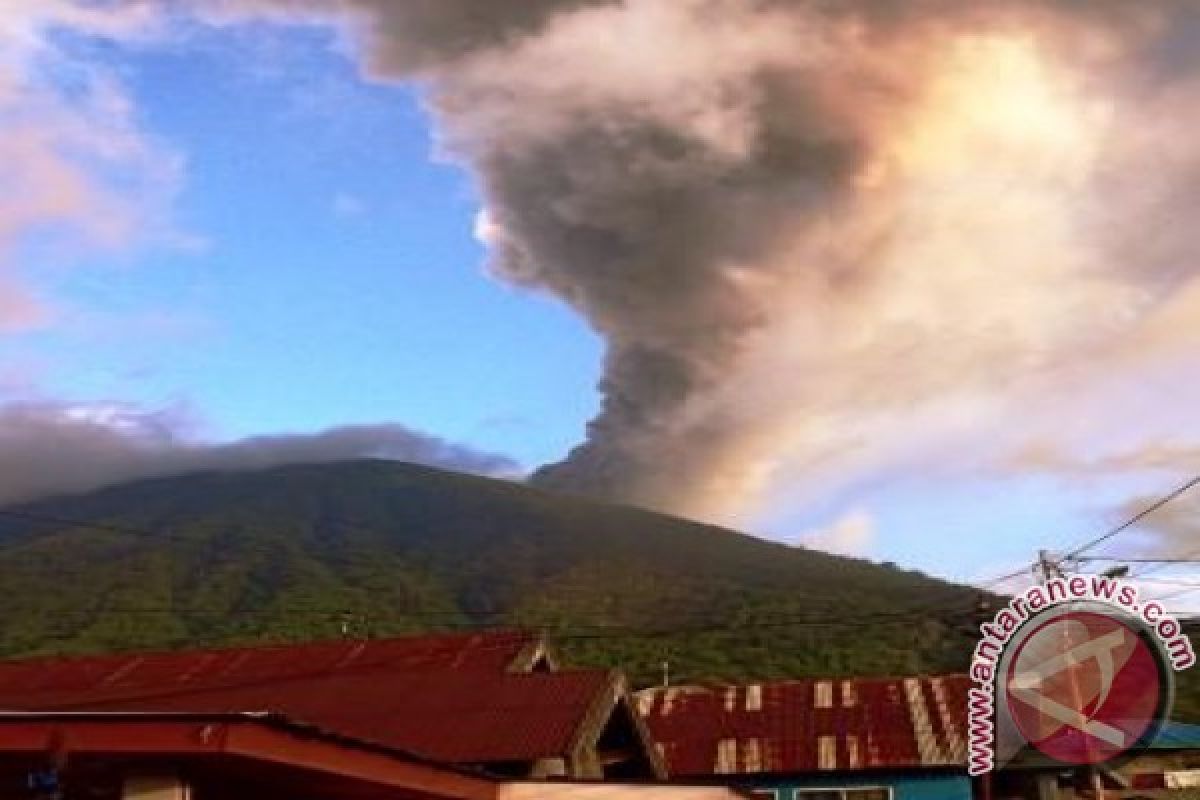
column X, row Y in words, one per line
column 162, row 691
column 80, row 658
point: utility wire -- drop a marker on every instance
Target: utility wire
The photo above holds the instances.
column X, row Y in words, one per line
column 823, row 620
column 1178, row 593
column 904, row 617
column 1139, row 560
column 75, row 523
column 1008, row 576
column 164, row 535
column 1169, row 581
column 1135, row 519
column 1160, row 567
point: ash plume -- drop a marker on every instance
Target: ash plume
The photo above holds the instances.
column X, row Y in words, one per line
column 814, row 235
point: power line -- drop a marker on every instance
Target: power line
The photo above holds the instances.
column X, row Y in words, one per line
column 1136, row 518
column 1008, row 576
column 75, row 523
column 1160, row 567
column 570, row 632
column 168, row 536
column 1139, row 560
column 474, row 619
column 1169, row 581
column 1178, row 593
column 811, row 620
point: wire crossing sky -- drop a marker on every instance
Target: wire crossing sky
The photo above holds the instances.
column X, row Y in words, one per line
column 914, row 281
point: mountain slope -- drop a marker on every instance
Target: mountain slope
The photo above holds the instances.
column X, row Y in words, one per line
column 383, row 547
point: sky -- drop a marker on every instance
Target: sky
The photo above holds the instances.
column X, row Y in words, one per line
column 906, row 282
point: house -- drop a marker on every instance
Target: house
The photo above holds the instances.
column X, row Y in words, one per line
column 187, row 756
column 1168, row 768
column 1172, row 761
column 164, row 756
column 883, row 739
column 491, row 702
column 844, row 739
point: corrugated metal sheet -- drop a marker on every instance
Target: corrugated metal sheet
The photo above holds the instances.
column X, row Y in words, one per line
column 445, row 698
column 810, row 725
column 480, row 651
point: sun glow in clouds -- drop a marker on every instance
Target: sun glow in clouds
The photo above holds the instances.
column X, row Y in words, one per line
column 997, row 95
column 969, row 249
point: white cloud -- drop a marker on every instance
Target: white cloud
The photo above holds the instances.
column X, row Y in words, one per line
column 80, row 172
column 852, row 534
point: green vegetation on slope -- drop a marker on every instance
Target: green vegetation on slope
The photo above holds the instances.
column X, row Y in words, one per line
column 384, row 548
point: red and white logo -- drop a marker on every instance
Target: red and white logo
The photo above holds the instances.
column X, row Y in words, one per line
column 1083, row 687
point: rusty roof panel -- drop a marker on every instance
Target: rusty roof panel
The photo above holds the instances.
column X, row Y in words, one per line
column 447, row 698
column 452, row 716
column 810, row 725
column 493, row 651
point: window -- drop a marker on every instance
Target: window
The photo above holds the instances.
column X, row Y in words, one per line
column 871, row 793
column 844, row 793
column 818, row 794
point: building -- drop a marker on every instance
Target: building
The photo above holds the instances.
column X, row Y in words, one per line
column 120, row 756
column 1166, row 769
column 493, row 702
column 846, row 739
column 883, row 739
column 1171, row 762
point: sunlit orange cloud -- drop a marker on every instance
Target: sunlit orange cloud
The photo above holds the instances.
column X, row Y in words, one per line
column 983, row 285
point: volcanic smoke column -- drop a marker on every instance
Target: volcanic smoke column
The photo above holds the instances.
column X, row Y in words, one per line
column 805, row 229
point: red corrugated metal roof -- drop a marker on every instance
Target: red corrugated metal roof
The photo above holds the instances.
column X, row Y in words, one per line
column 292, row 760
column 457, row 717
column 810, row 725
column 371, row 691
column 491, row 651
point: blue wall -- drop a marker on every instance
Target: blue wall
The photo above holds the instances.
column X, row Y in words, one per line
column 904, row 786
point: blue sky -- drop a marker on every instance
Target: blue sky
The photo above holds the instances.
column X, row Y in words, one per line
column 266, row 242
column 334, row 278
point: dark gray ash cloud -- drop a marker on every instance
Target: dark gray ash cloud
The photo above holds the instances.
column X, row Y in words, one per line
column 824, row 241
column 48, row 449
column 820, row 239
column 813, row 234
